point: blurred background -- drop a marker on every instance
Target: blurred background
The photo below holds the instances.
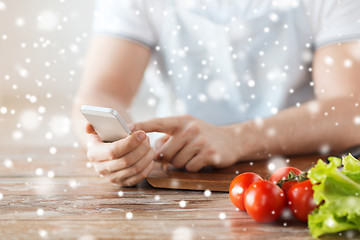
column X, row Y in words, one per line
column 43, row 45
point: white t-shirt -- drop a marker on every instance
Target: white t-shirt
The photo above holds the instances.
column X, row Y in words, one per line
column 227, row 61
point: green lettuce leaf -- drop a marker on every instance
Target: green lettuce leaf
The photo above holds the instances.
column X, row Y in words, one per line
column 338, row 194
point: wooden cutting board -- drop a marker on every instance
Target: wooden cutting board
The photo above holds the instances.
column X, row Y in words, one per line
column 220, row 179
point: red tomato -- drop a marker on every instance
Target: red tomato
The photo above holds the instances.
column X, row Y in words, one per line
column 264, row 201
column 301, row 200
column 283, row 173
column 238, row 188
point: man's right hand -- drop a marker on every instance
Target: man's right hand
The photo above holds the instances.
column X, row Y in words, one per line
column 125, row 162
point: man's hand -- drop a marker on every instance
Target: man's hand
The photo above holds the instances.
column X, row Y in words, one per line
column 191, row 143
column 125, row 162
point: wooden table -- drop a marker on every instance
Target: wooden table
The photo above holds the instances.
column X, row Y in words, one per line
column 57, row 196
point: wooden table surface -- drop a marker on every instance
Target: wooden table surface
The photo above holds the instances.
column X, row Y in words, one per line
column 57, row 196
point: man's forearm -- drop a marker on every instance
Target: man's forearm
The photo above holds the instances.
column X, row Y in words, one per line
column 315, row 126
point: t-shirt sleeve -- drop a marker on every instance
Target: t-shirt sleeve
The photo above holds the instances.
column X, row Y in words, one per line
column 335, row 21
column 126, row 19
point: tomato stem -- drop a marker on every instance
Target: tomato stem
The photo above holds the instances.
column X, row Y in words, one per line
column 293, row 177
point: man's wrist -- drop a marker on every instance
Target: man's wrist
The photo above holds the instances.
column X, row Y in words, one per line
column 247, row 141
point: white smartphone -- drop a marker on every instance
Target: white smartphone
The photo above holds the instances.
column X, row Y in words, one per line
column 106, row 122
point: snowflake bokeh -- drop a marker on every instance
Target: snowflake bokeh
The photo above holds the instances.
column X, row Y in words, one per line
column 43, row 50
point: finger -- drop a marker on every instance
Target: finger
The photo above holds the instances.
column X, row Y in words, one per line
column 129, row 159
column 161, row 141
column 196, row 163
column 110, row 151
column 119, row 176
column 139, row 177
column 89, row 129
column 165, row 125
column 92, row 139
column 169, row 149
column 184, row 156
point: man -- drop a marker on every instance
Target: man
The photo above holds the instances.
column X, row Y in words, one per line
column 254, row 79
